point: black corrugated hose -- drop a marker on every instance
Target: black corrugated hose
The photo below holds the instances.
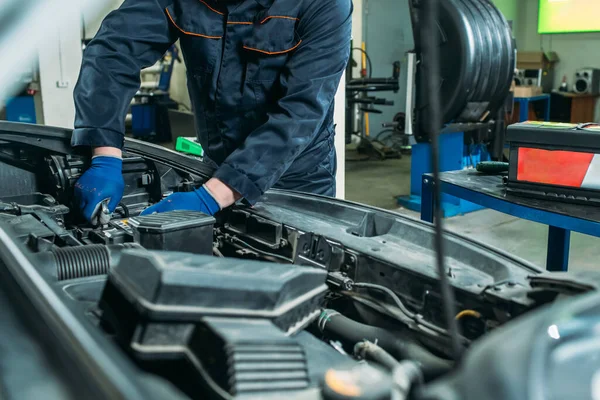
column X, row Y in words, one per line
column 83, row 261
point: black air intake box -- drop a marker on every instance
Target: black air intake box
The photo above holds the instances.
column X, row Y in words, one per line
column 165, row 286
column 186, row 317
column 247, row 358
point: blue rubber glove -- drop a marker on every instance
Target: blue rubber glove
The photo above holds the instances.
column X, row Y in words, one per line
column 198, row 200
column 102, row 182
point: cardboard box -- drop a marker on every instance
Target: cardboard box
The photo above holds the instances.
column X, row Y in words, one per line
column 536, row 59
column 528, row 91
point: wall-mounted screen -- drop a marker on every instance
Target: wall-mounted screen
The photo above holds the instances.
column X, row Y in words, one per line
column 568, row 16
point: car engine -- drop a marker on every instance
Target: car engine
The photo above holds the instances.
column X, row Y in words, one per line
column 300, row 296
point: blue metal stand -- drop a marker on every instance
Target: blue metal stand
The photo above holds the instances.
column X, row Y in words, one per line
column 523, row 103
column 476, row 189
column 559, row 241
column 454, row 155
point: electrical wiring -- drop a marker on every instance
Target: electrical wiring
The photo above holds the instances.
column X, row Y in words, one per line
column 261, row 252
column 368, row 60
column 125, row 210
column 393, row 295
column 418, row 319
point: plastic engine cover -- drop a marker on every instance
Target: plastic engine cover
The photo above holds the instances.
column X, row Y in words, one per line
column 196, row 319
column 185, row 287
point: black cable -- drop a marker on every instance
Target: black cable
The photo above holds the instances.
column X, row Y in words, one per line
column 429, row 36
column 262, row 252
column 393, row 295
column 125, row 209
column 418, row 319
column 368, row 60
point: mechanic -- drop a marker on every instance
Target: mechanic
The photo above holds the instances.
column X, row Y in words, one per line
column 262, row 75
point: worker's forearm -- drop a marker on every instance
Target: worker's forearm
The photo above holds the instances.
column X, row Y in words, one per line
column 222, row 193
column 107, row 151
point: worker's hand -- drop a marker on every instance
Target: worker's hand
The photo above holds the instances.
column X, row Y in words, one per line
column 198, row 200
column 102, row 182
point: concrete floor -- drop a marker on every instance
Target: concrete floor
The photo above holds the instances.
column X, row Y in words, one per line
column 385, row 181
column 390, row 178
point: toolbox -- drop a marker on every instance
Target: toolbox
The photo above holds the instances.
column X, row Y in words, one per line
column 555, row 161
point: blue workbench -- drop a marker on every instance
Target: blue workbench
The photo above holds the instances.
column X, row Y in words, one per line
column 523, row 103
column 488, row 191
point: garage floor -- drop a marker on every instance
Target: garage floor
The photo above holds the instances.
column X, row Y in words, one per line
column 390, row 178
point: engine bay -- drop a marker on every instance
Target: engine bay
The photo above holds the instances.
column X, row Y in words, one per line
column 299, row 295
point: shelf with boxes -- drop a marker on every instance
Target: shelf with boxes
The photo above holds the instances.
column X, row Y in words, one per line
column 534, row 79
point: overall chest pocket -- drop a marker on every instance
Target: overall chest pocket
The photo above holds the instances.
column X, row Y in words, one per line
column 200, row 32
column 266, row 51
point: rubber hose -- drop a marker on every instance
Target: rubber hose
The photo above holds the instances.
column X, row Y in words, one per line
column 398, row 344
column 372, row 352
column 85, row 261
column 406, row 374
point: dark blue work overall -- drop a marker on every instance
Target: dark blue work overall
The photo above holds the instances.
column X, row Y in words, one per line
column 262, row 75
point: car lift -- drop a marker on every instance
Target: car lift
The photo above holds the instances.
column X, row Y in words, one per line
column 357, row 90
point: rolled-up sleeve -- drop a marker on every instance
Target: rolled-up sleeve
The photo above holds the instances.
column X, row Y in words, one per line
column 309, row 81
column 132, row 37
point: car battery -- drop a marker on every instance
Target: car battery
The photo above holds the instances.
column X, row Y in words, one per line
column 115, row 232
column 555, row 161
column 185, row 231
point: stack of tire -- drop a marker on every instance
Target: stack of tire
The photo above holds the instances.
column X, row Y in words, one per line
column 477, row 57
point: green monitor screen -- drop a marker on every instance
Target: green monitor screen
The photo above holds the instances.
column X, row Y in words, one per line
column 567, row 16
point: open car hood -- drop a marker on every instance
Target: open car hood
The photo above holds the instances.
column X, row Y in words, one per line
column 326, row 249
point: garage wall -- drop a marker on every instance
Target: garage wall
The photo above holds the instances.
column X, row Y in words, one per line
column 575, row 50
column 59, row 66
column 357, row 32
column 339, row 119
column 387, row 30
column 510, row 9
column 60, row 63
column 92, row 24
column 178, row 89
